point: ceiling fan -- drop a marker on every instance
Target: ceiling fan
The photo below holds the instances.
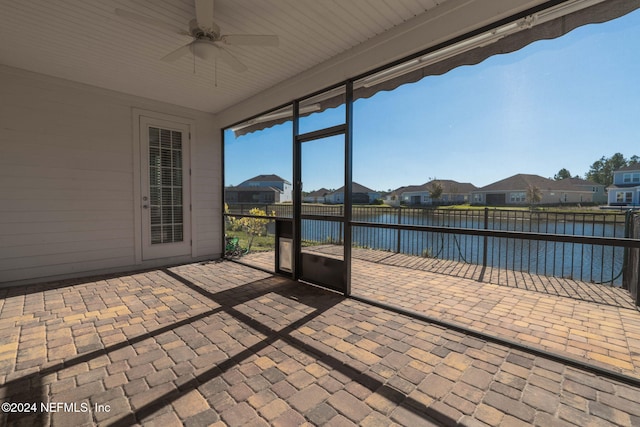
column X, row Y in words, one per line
column 207, row 41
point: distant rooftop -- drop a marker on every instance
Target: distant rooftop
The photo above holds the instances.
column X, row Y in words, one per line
column 448, row 186
column 268, row 178
column 245, row 189
column 633, row 167
column 522, row 181
column 319, row 193
column 356, row 188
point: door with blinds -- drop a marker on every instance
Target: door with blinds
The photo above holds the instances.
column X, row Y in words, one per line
column 165, row 195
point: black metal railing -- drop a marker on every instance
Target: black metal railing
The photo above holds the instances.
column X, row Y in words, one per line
column 585, row 246
column 281, row 210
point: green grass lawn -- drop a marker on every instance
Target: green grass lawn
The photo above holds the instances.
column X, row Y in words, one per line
column 260, row 243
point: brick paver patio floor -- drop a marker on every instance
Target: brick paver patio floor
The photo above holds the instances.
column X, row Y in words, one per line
column 224, row 344
column 582, row 321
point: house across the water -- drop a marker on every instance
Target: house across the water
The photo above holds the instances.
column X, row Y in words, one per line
column 625, row 190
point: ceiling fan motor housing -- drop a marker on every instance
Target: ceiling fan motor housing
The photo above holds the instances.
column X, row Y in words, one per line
column 212, row 33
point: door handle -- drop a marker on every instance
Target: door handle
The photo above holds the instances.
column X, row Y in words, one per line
column 145, row 206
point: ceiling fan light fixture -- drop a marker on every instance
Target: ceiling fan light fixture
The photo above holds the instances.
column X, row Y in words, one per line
column 204, row 49
column 208, row 43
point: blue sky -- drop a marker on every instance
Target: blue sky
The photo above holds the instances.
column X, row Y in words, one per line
column 554, row 104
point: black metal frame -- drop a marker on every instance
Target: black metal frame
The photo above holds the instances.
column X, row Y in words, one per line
column 324, row 268
column 347, row 130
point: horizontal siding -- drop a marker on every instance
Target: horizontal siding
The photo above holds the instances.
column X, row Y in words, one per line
column 210, row 238
column 64, row 253
column 31, row 205
column 24, row 177
column 61, row 194
column 44, row 271
column 43, row 231
column 67, row 178
column 72, row 216
column 206, row 184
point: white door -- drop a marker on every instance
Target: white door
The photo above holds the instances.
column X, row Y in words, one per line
column 165, row 185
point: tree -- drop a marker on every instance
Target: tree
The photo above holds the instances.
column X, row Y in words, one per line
column 534, row 195
column 251, row 225
column 601, row 171
column 436, row 190
column 230, row 219
column 596, row 172
column 562, row 174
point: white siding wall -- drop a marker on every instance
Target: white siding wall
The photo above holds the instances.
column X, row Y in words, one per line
column 67, row 178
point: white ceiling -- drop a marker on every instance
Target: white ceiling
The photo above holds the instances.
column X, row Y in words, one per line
column 84, row 41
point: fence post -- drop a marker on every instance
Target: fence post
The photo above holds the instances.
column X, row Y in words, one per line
column 627, row 252
column 399, row 231
column 635, row 233
column 633, row 259
column 340, row 231
column 486, row 238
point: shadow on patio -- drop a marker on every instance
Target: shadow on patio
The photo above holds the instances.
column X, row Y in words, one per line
column 582, row 321
column 155, row 367
column 223, row 343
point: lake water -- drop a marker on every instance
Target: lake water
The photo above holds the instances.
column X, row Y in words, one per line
column 592, row 263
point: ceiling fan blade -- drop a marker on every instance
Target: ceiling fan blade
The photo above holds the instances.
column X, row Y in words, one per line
column 204, row 14
column 233, row 62
column 250, row 40
column 143, row 19
column 177, row 54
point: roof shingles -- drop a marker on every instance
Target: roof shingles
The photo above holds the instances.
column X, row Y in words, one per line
column 521, row 181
